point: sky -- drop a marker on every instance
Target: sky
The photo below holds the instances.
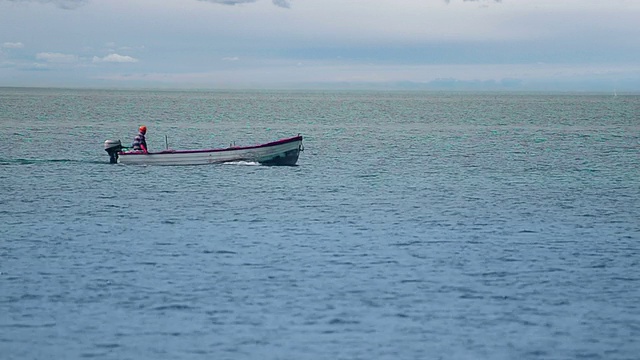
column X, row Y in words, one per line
column 539, row 45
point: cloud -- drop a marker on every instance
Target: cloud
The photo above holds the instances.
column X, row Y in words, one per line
column 13, row 45
column 281, row 3
column 115, row 58
column 34, row 67
column 449, row 1
column 62, row 4
column 229, row 2
column 57, row 57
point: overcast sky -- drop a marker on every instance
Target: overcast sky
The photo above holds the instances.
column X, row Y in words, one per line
column 488, row 44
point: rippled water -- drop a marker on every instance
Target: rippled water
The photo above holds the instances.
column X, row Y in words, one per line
column 416, row 226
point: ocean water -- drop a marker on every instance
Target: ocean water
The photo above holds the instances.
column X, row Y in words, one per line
column 415, row 226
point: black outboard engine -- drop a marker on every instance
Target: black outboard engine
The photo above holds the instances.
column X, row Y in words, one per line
column 113, row 147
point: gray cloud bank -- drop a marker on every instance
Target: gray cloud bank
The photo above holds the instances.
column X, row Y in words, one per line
column 63, row 4
column 74, row 4
column 280, row 3
column 449, row 1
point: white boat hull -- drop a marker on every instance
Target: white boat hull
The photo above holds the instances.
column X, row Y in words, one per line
column 281, row 152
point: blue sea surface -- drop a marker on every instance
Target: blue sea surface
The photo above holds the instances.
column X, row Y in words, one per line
column 416, row 225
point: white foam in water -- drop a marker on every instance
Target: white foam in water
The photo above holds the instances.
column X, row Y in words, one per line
column 246, row 163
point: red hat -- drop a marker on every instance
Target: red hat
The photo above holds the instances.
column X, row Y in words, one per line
column 143, row 129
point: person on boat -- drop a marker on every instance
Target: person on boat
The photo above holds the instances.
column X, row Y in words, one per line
column 139, row 142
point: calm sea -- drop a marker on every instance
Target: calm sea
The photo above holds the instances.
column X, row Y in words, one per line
column 415, row 226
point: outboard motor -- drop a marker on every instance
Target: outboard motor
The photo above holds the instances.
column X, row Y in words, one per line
column 113, row 147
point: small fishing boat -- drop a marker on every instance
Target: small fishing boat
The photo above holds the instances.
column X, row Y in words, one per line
column 280, row 152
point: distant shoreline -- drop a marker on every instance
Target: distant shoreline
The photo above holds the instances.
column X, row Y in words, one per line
column 336, row 89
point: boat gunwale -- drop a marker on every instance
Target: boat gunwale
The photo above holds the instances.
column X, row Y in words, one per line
column 235, row 148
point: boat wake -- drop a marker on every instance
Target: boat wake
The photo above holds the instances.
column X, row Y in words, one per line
column 45, row 161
